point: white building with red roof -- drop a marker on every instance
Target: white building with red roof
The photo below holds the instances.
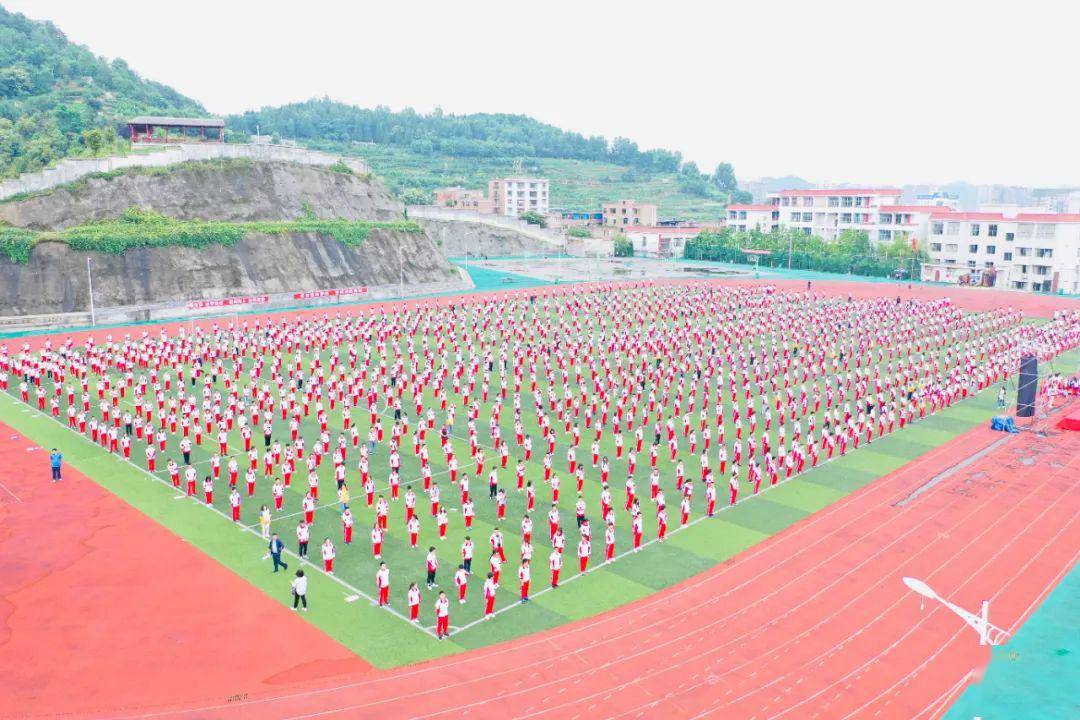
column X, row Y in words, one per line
column 1024, row 251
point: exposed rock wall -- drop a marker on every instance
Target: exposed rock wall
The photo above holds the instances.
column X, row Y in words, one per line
column 55, row 278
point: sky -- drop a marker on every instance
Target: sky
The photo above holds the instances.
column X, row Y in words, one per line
column 835, row 92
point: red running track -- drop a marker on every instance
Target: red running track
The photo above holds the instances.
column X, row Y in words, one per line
column 813, row 623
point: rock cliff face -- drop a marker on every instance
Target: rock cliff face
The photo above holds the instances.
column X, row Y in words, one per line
column 55, row 278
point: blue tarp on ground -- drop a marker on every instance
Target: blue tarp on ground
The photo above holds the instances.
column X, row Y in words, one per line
column 1002, row 423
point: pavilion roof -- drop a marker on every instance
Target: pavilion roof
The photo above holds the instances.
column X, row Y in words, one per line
column 176, row 121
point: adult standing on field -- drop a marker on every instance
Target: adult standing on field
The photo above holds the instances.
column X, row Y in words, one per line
column 299, row 590
column 56, row 459
column 276, row 548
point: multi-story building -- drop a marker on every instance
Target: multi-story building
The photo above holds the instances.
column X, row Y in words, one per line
column 663, row 242
column 627, row 213
column 1028, row 251
column 828, row 212
column 515, row 195
column 462, row 199
column 745, row 218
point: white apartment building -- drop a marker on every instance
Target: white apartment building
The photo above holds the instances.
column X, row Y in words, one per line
column 745, row 218
column 1028, row 251
column 660, row 242
column 828, row 212
column 515, row 195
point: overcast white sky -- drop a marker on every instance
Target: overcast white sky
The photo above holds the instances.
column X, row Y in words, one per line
column 898, row 92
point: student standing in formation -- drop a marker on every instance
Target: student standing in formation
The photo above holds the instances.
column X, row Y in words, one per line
column 303, row 536
column 382, row 583
column 432, row 568
column 461, row 581
column 524, row 577
column 442, row 616
column 328, row 555
column 555, row 561
column 413, row 599
column 490, row 588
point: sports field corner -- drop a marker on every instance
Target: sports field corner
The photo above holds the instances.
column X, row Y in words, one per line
column 352, row 654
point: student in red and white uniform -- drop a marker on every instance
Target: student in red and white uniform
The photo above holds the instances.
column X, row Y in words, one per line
column 328, row 554
column 347, row 522
column 208, row 489
column 524, row 578
column 555, row 563
column 637, row 525
column 376, row 541
column 584, row 549
column 442, row 616
column 491, row 587
column 413, row 528
column 412, row 599
column 278, row 490
column 461, row 582
column 308, row 505
column 609, row 543
column 234, row 503
column 382, row 584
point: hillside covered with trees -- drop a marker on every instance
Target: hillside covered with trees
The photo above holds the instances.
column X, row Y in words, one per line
column 58, row 99
column 418, row 152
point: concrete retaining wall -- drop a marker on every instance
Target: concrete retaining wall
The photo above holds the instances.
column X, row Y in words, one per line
column 72, row 169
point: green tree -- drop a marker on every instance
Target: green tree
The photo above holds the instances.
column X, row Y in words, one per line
column 623, row 246
column 533, row 218
column 724, row 178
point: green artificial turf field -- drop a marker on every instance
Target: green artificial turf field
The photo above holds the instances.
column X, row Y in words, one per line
column 340, row 604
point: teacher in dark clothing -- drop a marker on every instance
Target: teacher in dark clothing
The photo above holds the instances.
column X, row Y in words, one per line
column 276, row 548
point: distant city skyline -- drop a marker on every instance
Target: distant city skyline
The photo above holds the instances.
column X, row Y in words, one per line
column 835, row 92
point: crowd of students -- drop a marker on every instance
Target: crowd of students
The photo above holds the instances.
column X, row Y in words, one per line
column 719, row 390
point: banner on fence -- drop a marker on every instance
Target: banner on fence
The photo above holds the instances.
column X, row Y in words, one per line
column 228, row 302
column 333, row 292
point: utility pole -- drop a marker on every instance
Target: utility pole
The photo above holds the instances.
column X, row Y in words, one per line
column 90, row 285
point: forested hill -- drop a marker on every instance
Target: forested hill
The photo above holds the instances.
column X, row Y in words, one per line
column 58, row 99
column 416, row 153
column 476, row 135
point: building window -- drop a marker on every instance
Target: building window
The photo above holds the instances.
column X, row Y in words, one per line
column 935, row 247
column 938, row 229
column 808, row 202
column 834, row 202
column 1024, row 252
column 845, row 217
column 1009, row 237
column 975, row 229
column 951, row 247
column 884, row 234
column 1042, row 270
column 795, row 217
column 1044, row 252
column 886, row 218
column 971, row 263
column 991, row 230
column 952, row 228
column 845, row 202
column 973, row 248
column 991, row 249
column 1008, row 256
column 807, row 217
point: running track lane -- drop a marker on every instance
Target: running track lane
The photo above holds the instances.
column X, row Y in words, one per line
column 811, row 623
column 103, row 610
